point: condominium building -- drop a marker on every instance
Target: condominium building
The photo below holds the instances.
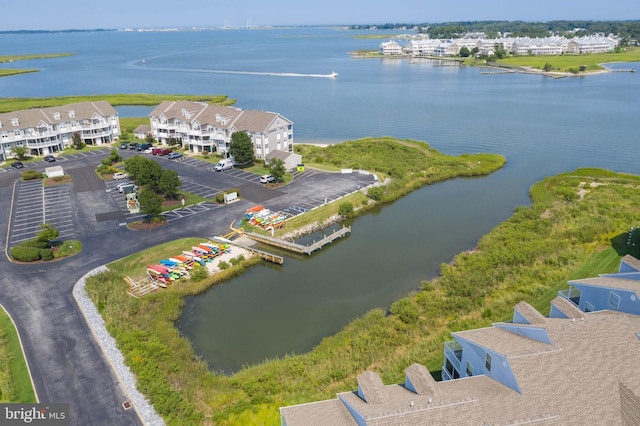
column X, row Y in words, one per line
column 49, row 130
column 568, row 368
column 202, row 127
column 390, row 48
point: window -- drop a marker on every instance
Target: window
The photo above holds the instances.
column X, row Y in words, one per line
column 588, row 307
column 614, row 300
column 487, row 363
column 469, row 369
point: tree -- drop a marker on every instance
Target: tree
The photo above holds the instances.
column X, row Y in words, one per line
column 114, row 156
column 144, row 171
column 241, row 148
column 345, row 209
column 150, row 203
column 20, row 152
column 547, row 67
column 169, row 183
column 77, row 141
column 465, row 52
column 47, row 232
column 277, row 170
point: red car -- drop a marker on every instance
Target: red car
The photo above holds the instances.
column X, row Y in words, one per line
column 164, row 152
column 156, row 151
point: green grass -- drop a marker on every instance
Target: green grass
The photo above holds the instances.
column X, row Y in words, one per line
column 565, row 62
column 67, row 248
column 134, row 266
column 15, row 104
column 15, row 382
column 7, row 72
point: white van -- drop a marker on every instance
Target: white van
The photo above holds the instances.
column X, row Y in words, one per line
column 224, row 164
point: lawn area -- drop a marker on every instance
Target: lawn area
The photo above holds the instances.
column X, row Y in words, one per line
column 566, row 62
column 15, row 381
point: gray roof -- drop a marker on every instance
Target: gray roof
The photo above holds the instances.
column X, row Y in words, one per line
column 222, row 117
column 588, row 375
column 610, row 282
column 58, row 114
column 631, row 261
column 143, row 128
column 280, row 155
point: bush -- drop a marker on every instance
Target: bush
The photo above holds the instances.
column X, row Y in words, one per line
column 25, row 254
column 220, row 197
column 236, row 190
column 406, row 309
column 31, row 175
column 198, row 273
column 46, row 254
column 376, row 193
column 234, row 261
column 223, row 265
column 36, row 243
column 345, row 209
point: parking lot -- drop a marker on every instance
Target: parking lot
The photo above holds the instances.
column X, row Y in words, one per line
column 35, row 204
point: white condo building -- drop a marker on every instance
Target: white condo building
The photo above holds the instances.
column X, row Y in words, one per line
column 202, row 127
column 48, row 130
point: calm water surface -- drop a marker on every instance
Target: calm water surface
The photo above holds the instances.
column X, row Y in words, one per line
column 543, row 126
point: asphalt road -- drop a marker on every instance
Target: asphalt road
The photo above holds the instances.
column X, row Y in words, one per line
column 66, row 363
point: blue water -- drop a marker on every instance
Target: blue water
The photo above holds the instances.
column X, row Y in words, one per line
column 543, row 127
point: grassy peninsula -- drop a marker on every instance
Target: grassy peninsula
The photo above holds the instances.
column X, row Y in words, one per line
column 4, row 72
column 568, row 63
column 15, row 104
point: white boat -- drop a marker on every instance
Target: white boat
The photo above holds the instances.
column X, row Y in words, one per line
column 333, row 75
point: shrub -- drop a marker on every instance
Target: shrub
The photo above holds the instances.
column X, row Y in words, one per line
column 376, row 193
column 31, row 175
column 406, row 309
column 46, row 254
column 234, row 261
column 223, row 265
column 106, row 161
column 236, row 190
column 37, row 243
column 198, row 273
column 345, row 209
column 25, row 254
column 220, row 197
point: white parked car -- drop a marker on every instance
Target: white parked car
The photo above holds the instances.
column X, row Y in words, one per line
column 119, row 176
column 120, row 187
column 267, row 179
column 148, row 150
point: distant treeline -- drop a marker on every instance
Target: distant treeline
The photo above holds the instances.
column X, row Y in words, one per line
column 51, row 31
column 627, row 30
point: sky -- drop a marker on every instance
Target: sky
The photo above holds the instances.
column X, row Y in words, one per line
column 112, row 14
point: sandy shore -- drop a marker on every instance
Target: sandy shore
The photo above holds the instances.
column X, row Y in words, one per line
column 234, row 251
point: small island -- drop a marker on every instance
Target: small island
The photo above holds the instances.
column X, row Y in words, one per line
column 4, row 72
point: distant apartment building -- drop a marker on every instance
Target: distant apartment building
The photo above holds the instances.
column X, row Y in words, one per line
column 578, row 365
column 593, row 44
column 390, row 48
column 202, row 127
column 553, row 45
column 49, row 130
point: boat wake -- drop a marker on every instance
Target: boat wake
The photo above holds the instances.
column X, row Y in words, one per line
column 143, row 65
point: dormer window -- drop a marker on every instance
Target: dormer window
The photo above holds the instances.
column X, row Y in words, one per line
column 0, row 124
column 15, row 121
column 186, row 114
column 72, row 113
column 218, row 117
column 56, row 116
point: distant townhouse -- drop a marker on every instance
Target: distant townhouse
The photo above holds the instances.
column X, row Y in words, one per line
column 422, row 47
column 49, row 130
column 539, row 46
column 202, row 127
column 591, row 44
column 390, row 48
column 569, row 368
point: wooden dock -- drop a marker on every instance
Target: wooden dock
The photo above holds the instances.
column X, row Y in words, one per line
column 299, row 248
column 270, row 257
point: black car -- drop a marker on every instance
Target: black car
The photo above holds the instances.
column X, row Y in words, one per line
column 144, row 146
column 133, row 145
column 49, row 158
column 17, row 165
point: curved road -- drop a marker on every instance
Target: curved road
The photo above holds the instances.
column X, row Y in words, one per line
column 66, row 363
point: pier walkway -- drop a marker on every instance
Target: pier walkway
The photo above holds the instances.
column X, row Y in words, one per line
column 299, row 248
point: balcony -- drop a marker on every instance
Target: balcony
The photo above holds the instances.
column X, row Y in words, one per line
column 573, row 294
column 453, row 351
